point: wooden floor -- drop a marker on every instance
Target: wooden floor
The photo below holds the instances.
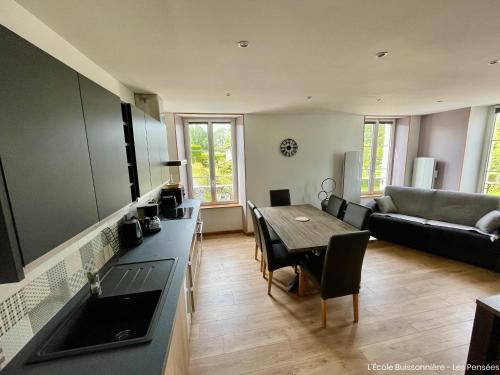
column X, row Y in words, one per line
column 415, row 309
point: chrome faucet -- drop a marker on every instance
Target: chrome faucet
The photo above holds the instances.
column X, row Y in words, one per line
column 95, row 283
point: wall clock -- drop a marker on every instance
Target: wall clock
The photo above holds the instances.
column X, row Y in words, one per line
column 289, row 147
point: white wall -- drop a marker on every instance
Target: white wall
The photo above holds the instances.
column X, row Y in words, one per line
column 14, row 17
column 412, row 151
column 322, row 140
column 476, row 130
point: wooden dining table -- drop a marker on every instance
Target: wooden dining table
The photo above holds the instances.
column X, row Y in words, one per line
column 298, row 236
column 303, row 236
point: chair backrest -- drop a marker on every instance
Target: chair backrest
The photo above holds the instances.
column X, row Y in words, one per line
column 343, row 262
column 280, row 197
column 265, row 238
column 256, row 232
column 357, row 215
column 336, row 206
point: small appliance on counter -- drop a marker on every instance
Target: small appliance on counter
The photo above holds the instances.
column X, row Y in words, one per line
column 172, row 196
column 148, row 215
column 132, row 232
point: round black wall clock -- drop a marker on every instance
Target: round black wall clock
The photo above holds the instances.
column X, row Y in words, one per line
column 289, row 147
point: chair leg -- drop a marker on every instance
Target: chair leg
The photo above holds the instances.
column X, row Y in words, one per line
column 264, row 269
column 269, row 282
column 323, row 313
column 256, row 249
column 302, row 283
column 355, row 305
column 261, row 263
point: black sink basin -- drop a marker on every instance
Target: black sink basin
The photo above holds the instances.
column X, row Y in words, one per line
column 112, row 321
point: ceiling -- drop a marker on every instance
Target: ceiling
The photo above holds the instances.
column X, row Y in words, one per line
column 186, row 51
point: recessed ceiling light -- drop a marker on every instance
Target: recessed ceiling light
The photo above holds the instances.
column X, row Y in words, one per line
column 493, row 62
column 379, row 99
column 381, row 54
column 309, row 97
column 439, row 101
column 228, row 94
column 243, row 44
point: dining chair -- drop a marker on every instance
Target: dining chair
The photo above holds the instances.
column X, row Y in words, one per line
column 272, row 233
column 336, row 206
column 275, row 254
column 357, row 215
column 280, row 197
column 339, row 274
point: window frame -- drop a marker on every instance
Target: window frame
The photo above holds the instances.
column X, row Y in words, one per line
column 494, row 111
column 211, row 155
column 373, row 150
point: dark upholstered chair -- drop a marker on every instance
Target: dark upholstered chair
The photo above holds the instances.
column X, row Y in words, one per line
column 280, row 197
column 273, row 235
column 339, row 274
column 357, row 215
column 336, row 206
column 275, row 255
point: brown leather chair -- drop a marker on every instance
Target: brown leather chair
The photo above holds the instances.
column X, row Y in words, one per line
column 279, row 197
column 275, row 254
column 336, row 206
column 273, row 235
column 339, row 272
column 357, row 215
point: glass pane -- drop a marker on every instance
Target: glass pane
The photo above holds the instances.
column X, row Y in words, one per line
column 367, row 158
column 496, row 133
column 382, row 155
column 200, row 164
column 223, row 156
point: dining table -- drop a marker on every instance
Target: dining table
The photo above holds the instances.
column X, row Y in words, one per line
column 303, row 228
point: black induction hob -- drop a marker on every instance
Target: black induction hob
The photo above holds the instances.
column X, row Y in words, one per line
column 176, row 213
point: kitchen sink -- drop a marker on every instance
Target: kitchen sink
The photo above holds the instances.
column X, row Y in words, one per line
column 112, row 321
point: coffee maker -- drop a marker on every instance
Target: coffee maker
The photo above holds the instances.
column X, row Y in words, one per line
column 148, row 215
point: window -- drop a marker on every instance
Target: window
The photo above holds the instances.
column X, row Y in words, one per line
column 211, row 160
column 491, row 183
column 377, row 156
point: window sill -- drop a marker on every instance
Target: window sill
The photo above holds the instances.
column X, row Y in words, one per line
column 375, row 195
column 229, row 205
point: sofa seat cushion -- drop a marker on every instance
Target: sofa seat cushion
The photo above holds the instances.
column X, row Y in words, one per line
column 414, row 219
column 468, row 228
column 392, row 227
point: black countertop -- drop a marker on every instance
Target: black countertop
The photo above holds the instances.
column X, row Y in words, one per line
column 173, row 241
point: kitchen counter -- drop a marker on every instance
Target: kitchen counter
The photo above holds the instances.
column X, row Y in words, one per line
column 173, row 241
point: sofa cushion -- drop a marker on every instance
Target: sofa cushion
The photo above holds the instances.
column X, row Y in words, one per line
column 385, row 204
column 413, row 219
column 490, row 222
column 392, row 228
column 411, row 201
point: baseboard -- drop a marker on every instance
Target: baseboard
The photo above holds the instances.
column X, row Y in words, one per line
column 224, row 232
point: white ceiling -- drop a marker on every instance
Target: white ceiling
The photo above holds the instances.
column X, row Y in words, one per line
column 186, row 51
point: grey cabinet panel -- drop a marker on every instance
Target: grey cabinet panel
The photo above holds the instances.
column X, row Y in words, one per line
column 153, row 132
column 141, row 150
column 108, row 158
column 43, row 147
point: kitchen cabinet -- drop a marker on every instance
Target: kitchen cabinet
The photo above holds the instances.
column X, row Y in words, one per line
column 43, row 148
column 141, row 150
column 153, row 130
column 178, row 352
column 103, row 121
column 163, row 153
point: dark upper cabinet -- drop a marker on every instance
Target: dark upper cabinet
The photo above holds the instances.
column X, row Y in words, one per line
column 108, row 158
column 43, row 148
column 153, row 130
column 141, row 150
column 163, row 153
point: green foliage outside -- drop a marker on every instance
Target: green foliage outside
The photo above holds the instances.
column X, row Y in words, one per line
column 200, row 161
column 492, row 184
column 381, row 157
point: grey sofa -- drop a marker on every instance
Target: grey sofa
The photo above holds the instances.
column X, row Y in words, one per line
column 441, row 222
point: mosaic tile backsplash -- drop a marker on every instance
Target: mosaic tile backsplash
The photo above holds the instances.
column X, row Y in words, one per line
column 25, row 312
